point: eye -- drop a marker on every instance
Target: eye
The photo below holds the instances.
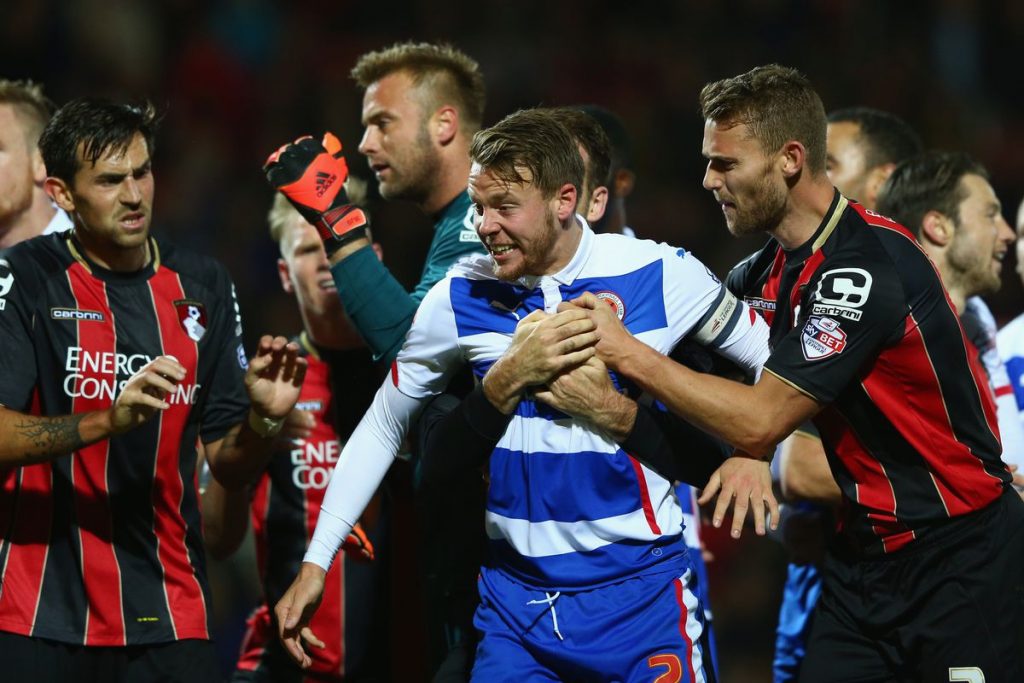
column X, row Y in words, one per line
column 478, row 209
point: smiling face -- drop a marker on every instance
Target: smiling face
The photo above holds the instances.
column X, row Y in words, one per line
column 745, row 181
column 981, row 238
column 396, row 142
column 522, row 230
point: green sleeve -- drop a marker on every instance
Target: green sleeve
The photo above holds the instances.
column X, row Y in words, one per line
column 446, row 249
column 375, row 301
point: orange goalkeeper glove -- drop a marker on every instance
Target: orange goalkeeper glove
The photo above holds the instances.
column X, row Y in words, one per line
column 311, row 175
column 358, row 545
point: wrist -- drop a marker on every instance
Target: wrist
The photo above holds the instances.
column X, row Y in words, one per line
column 349, row 248
column 265, row 427
column 617, row 416
column 311, row 570
column 502, row 391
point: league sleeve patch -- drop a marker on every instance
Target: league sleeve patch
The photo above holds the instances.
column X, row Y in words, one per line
column 822, row 337
column 6, row 282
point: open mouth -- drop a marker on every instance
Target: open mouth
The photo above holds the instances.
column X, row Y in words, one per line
column 133, row 221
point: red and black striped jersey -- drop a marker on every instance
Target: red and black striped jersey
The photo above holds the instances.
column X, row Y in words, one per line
column 104, row 546
column 861, row 323
column 338, row 389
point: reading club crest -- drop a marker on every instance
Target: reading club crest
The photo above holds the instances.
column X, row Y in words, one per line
column 613, row 300
column 192, row 316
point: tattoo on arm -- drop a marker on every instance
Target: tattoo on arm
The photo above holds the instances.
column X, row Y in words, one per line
column 50, row 435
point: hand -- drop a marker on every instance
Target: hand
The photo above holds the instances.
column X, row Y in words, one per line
column 295, row 609
column 311, row 175
column 145, row 392
column 586, row 392
column 613, row 339
column 358, row 545
column 748, row 482
column 542, row 346
column 274, row 377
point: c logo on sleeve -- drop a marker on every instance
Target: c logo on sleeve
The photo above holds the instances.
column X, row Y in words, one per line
column 842, row 292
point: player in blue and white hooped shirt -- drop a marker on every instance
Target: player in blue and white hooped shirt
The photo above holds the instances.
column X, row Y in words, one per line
column 589, row 575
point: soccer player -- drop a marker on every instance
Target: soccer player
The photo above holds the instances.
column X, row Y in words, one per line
column 25, row 208
column 926, row 583
column 119, row 351
column 579, row 530
column 340, row 382
column 863, row 146
column 422, row 103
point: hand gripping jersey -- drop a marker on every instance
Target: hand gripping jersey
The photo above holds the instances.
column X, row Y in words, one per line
column 285, row 507
column 860, row 322
column 104, row 546
column 567, row 507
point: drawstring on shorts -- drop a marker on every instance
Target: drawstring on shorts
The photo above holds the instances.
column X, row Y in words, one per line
column 549, row 600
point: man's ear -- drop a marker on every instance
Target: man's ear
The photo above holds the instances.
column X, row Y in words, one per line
column 598, row 204
column 444, row 124
column 873, row 184
column 284, row 272
column 792, row 157
column 936, row 229
column 60, row 193
column 566, row 197
column 38, row 167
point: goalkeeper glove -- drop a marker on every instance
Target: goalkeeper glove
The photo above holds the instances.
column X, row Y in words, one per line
column 311, row 175
column 358, row 545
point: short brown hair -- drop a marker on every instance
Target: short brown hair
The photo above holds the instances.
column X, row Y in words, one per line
column 589, row 134
column 530, row 139
column 777, row 103
column 442, row 74
column 28, row 100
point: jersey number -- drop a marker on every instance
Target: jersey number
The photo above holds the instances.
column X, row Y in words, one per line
column 672, row 663
column 966, row 674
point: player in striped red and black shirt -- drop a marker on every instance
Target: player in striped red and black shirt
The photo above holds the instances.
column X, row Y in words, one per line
column 118, row 351
column 926, row 583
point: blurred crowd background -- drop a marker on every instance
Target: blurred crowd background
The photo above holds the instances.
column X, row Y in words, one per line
column 236, row 78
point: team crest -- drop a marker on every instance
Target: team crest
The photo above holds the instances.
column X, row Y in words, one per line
column 613, row 300
column 822, row 337
column 192, row 316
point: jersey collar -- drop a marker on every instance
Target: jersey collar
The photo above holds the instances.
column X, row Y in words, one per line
column 823, row 232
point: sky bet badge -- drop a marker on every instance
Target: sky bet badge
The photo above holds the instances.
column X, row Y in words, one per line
column 822, row 337
column 192, row 316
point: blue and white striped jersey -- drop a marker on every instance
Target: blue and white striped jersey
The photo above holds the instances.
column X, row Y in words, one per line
column 567, row 508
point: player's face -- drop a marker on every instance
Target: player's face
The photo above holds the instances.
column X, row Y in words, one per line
column 308, row 271
column 1020, row 242
column 396, row 142
column 845, row 162
column 745, row 181
column 519, row 227
column 16, row 176
column 980, row 239
column 112, row 200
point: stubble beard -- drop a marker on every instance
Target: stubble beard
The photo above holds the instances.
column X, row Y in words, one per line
column 767, row 206
column 420, row 170
column 535, row 257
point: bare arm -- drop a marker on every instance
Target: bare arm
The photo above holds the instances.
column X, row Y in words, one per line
column 30, row 439
column 805, row 471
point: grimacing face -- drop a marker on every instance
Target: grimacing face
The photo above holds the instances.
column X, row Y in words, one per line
column 308, row 271
column 396, row 142
column 745, row 181
column 981, row 238
column 516, row 224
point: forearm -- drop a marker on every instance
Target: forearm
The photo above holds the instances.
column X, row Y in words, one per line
column 225, row 519
column 30, row 439
column 805, row 473
column 674, row 448
column 240, row 456
column 379, row 307
column 728, row 410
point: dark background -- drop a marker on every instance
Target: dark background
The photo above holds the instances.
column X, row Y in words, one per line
column 237, row 78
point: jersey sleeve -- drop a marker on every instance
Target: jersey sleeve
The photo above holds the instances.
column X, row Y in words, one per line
column 431, row 354
column 226, row 403
column 18, row 365
column 850, row 310
column 699, row 306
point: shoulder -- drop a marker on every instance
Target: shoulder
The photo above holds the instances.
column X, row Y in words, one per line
column 40, row 257
column 1011, row 338
column 748, row 272
column 192, row 265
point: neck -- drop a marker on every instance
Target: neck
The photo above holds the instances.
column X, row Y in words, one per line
column 28, row 223
column 806, row 208
column 328, row 332
column 112, row 257
column 566, row 246
column 451, row 180
column 954, row 288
